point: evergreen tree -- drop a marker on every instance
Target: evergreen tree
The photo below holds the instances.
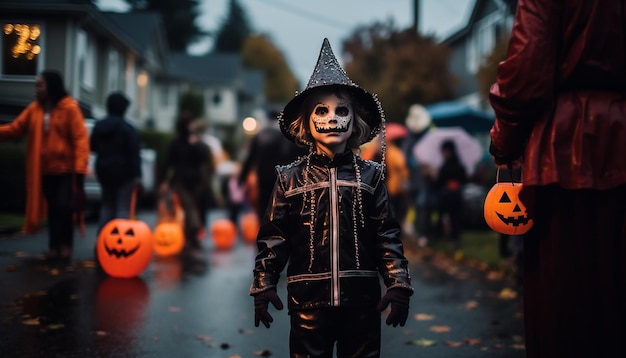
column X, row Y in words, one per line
column 233, row 31
column 179, row 20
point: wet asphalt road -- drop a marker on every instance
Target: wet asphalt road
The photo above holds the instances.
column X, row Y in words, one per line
column 198, row 306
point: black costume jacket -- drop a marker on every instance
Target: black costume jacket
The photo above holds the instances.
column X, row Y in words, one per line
column 341, row 265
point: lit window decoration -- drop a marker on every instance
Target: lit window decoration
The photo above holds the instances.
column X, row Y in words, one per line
column 25, row 43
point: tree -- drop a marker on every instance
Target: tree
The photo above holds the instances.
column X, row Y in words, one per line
column 191, row 102
column 401, row 67
column 233, row 31
column 487, row 71
column 179, row 20
column 280, row 83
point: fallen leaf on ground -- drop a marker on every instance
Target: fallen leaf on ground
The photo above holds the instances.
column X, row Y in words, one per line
column 440, row 329
column 263, row 353
column 424, row 317
column 470, row 305
column 102, row 333
column 55, row 326
column 495, row 275
column 422, row 342
column 518, row 346
column 473, row 341
column 54, row 272
column 31, row 322
column 203, row 338
column 507, row 294
column 453, row 344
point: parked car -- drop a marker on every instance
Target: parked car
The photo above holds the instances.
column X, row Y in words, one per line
column 93, row 191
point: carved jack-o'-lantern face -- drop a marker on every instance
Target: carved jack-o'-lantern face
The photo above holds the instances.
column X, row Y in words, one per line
column 169, row 239
column 124, row 247
column 504, row 212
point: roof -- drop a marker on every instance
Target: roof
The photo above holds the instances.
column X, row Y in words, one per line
column 139, row 26
column 511, row 6
column 214, row 68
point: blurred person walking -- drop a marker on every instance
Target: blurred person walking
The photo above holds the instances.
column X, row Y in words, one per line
column 450, row 179
column 560, row 104
column 56, row 161
column 188, row 172
column 268, row 149
column 118, row 159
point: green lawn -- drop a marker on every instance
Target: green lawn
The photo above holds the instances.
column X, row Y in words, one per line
column 10, row 219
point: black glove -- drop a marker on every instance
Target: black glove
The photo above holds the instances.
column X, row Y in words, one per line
column 399, row 299
column 261, row 302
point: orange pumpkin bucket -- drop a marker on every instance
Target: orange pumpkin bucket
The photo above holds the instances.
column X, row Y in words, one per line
column 125, row 246
column 503, row 210
column 224, row 233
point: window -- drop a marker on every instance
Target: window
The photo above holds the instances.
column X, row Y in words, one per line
column 113, row 70
column 482, row 41
column 20, row 49
column 86, row 59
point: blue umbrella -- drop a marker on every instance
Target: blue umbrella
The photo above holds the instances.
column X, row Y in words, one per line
column 457, row 114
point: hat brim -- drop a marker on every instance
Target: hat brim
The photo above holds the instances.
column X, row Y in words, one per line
column 373, row 113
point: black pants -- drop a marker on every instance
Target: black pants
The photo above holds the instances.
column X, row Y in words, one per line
column 58, row 192
column 314, row 332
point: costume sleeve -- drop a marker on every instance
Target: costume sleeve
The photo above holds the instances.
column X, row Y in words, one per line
column 525, row 82
column 273, row 248
column 80, row 140
column 18, row 127
column 393, row 265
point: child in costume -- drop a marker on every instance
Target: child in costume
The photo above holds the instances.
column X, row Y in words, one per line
column 330, row 218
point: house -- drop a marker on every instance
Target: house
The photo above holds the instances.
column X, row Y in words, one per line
column 65, row 35
column 489, row 20
column 99, row 52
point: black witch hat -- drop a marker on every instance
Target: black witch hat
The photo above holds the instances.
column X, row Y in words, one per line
column 328, row 72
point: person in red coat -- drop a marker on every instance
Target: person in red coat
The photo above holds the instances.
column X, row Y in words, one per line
column 560, row 105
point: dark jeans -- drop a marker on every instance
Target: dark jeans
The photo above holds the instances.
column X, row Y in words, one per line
column 57, row 190
column 115, row 202
column 314, row 332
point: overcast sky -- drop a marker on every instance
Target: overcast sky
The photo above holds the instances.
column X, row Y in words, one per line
column 298, row 28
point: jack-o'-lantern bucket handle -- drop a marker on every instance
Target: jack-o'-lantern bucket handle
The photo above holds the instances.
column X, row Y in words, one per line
column 515, row 178
column 133, row 202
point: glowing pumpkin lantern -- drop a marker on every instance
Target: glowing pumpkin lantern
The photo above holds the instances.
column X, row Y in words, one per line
column 503, row 210
column 249, row 226
column 224, row 234
column 124, row 246
column 169, row 239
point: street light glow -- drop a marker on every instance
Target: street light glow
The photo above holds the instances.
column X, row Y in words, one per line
column 250, row 125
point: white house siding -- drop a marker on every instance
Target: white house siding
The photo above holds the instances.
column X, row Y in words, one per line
column 223, row 112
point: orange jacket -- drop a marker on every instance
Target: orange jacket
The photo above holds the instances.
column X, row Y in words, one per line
column 397, row 178
column 62, row 149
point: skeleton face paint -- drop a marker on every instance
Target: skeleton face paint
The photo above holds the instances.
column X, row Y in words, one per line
column 332, row 115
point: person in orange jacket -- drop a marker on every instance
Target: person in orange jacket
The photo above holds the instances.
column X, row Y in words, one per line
column 56, row 161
